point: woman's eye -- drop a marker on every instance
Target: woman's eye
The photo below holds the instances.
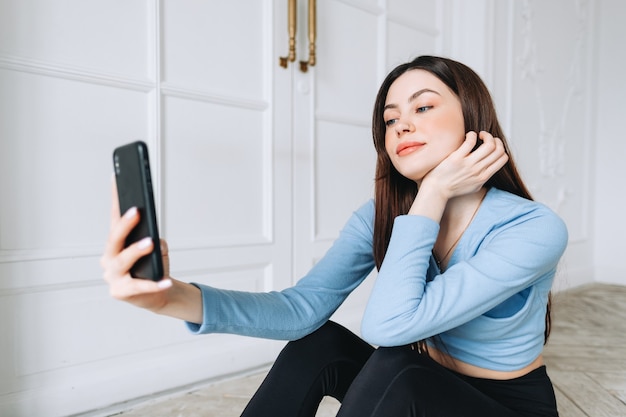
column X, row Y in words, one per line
column 390, row 122
column 423, row 109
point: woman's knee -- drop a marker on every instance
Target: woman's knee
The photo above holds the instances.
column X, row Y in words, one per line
column 330, row 340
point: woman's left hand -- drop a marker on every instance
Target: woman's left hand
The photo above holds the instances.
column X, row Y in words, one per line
column 464, row 171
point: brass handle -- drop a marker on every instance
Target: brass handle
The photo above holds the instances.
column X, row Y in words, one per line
column 291, row 12
column 304, row 65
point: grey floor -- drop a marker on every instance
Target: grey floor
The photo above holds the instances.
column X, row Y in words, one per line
column 586, row 359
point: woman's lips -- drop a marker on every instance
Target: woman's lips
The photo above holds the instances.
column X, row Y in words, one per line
column 406, row 148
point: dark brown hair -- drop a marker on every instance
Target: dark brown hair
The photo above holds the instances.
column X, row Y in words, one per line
column 394, row 193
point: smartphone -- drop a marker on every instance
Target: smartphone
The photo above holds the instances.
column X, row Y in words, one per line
column 134, row 189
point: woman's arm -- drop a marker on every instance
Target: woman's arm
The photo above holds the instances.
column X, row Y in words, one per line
column 514, row 249
column 288, row 314
column 296, row 311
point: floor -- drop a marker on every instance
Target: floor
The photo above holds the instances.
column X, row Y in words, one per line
column 586, row 359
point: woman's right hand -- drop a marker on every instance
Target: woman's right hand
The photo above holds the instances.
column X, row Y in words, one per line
column 116, row 262
column 167, row 296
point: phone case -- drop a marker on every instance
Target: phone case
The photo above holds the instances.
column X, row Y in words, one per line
column 134, row 189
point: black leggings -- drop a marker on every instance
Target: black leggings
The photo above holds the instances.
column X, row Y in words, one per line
column 387, row 382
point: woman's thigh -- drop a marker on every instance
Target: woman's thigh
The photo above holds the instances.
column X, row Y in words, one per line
column 400, row 382
column 323, row 363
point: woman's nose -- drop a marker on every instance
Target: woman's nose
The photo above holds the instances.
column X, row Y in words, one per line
column 403, row 126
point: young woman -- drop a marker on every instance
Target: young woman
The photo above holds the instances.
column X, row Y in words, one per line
column 459, row 311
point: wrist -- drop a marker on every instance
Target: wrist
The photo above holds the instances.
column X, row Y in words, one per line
column 182, row 301
column 430, row 202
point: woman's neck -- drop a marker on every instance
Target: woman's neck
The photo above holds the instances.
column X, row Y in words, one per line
column 457, row 216
column 459, row 210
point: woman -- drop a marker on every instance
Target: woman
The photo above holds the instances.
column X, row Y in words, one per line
column 460, row 306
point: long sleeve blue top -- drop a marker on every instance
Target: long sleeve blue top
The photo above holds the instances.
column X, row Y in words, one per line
column 488, row 307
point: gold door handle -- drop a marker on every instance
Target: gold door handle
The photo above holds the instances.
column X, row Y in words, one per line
column 291, row 12
column 304, row 65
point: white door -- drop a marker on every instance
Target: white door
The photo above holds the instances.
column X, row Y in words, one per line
column 199, row 82
column 358, row 42
column 256, row 168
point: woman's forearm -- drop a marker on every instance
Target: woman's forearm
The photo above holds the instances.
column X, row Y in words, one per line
column 184, row 301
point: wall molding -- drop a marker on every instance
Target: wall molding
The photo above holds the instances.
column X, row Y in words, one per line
column 170, row 90
column 360, row 5
column 74, row 73
column 47, row 254
column 342, row 119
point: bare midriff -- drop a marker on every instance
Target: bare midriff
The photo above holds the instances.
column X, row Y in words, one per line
column 478, row 372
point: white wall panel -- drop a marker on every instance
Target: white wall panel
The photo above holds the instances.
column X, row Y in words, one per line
column 76, row 80
column 54, row 158
column 216, row 49
column 417, row 12
column 552, row 98
column 347, row 42
column 217, row 169
column 111, row 36
column 51, row 320
column 608, row 143
column 407, row 43
column 544, row 87
column 349, row 150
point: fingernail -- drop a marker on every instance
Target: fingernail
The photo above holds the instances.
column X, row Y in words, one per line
column 164, row 283
column 144, row 243
column 131, row 212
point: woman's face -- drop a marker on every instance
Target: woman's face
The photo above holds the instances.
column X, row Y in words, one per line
column 424, row 123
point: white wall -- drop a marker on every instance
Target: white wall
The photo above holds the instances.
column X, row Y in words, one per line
column 555, row 68
column 544, row 86
column 609, row 143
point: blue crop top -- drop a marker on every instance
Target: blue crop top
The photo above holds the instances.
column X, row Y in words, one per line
column 488, row 307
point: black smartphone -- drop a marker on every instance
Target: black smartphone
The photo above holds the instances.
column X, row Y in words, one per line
column 134, row 189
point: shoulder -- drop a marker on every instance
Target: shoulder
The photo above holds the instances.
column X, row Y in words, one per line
column 361, row 222
column 526, row 220
column 504, row 208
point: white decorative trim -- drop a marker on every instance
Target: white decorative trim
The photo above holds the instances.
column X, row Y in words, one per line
column 73, row 73
column 30, row 255
column 219, row 242
column 4, row 292
column 358, row 4
column 210, row 97
column 345, row 120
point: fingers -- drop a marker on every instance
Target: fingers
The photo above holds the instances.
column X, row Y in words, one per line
column 492, row 156
column 118, row 263
column 469, row 145
column 117, row 260
column 120, row 228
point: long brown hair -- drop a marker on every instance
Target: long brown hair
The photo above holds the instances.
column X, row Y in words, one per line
column 395, row 193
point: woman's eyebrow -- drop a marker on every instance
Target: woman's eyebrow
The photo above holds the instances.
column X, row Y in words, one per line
column 413, row 97
column 416, row 94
